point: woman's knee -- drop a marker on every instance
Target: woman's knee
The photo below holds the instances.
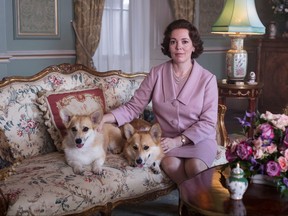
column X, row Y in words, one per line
column 194, row 166
column 170, row 163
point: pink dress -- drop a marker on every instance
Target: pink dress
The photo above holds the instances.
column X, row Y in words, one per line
column 190, row 110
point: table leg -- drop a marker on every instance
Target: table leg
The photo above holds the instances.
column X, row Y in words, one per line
column 251, row 109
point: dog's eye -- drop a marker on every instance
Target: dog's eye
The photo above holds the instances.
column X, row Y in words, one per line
column 85, row 129
column 135, row 147
column 74, row 129
column 146, row 147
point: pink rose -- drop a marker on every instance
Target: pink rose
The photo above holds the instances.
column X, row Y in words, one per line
column 267, row 116
column 31, row 124
column 267, row 132
column 244, row 150
column 273, row 168
column 258, row 153
column 286, row 154
column 283, row 163
column 257, row 143
column 271, row 148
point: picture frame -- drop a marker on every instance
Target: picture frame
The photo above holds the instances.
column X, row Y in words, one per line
column 36, row 19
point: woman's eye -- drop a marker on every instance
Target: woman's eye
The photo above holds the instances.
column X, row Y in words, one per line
column 172, row 42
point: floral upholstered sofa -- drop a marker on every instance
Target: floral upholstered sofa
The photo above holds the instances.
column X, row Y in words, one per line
column 35, row 180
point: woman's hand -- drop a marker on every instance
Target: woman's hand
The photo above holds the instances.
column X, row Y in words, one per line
column 107, row 118
column 170, row 143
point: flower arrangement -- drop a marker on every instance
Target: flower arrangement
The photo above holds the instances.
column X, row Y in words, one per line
column 267, row 152
column 280, row 6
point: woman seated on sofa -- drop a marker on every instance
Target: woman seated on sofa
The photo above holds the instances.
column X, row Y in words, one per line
column 184, row 98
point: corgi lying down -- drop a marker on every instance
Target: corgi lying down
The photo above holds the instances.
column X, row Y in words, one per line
column 84, row 145
column 142, row 148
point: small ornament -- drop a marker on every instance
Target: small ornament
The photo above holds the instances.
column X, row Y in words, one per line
column 236, row 183
column 252, row 78
column 272, row 30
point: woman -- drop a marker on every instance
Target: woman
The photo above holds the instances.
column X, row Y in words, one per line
column 184, row 98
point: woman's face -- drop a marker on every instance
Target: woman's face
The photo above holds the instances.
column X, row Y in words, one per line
column 181, row 46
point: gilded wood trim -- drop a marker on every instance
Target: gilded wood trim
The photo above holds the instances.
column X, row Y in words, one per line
column 67, row 69
column 221, row 124
column 108, row 208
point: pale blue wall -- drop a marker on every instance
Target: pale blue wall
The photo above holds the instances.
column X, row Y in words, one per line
column 29, row 56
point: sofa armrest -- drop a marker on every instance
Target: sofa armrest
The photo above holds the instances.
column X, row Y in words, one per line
column 222, row 135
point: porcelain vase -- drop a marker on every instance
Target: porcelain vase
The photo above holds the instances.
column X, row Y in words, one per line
column 236, row 183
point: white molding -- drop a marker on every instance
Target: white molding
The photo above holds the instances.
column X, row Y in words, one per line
column 36, row 54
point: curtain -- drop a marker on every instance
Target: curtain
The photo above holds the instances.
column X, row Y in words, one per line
column 183, row 9
column 87, row 27
column 125, row 40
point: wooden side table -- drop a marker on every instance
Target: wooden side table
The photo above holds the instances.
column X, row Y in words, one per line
column 205, row 195
column 241, row 91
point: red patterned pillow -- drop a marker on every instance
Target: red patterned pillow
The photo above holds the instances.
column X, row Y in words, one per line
column 83, row 101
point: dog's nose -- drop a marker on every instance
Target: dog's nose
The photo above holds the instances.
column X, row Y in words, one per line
column 139, row 161
column 78, row 141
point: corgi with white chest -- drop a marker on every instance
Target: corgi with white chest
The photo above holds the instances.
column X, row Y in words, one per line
column 84, row 146
column 142, row 147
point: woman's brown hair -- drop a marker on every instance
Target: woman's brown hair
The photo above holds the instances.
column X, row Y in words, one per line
column 193, row 34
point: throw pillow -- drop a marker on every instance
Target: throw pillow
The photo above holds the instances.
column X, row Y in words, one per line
column 82, row 101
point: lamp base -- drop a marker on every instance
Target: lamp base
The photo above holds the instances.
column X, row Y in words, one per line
column 236, row 60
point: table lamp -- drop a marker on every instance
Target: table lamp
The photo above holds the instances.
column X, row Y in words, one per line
column 238, row 19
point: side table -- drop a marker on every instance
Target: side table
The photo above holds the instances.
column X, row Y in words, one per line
column 205, row 195
column 241, row 91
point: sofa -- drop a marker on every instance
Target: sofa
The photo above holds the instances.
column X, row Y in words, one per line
column 34, row 177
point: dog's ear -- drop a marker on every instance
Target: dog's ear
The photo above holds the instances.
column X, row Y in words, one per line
column 66, row 116
column 96, row 116
column 128, row 130
column 156, row 132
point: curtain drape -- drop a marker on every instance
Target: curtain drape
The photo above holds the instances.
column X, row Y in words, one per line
column 125, row 37
column 183, row 9
column 87, row 26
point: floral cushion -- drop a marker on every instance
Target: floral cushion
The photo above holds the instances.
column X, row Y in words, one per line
column 22, row 122
column 220, row 157
column 49, row 187
column 81, row 101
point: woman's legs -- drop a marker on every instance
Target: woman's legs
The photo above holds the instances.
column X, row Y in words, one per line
column 181, row 169
column 174, row 168
column 193, row 166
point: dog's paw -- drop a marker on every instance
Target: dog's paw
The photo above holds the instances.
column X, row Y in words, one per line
column 155, row 168
column 98, row 171
column 78, row 170
column 132, row 164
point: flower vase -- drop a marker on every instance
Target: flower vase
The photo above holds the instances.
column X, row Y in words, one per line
column 263, row 179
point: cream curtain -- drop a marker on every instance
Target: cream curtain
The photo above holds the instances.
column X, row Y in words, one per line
column 125, row 39
column 87, row 26
column 183, row 9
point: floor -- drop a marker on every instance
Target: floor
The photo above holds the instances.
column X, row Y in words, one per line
column 163, row 206
column 168, row 205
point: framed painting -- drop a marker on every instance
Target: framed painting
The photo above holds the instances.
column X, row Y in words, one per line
column 36, row 19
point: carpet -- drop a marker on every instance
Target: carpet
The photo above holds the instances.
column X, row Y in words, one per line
column 163, row 206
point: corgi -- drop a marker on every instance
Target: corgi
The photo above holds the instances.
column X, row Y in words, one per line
column 142, row 147
column 84, row 146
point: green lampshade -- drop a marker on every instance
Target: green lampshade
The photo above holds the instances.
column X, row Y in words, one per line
column 238, row 17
